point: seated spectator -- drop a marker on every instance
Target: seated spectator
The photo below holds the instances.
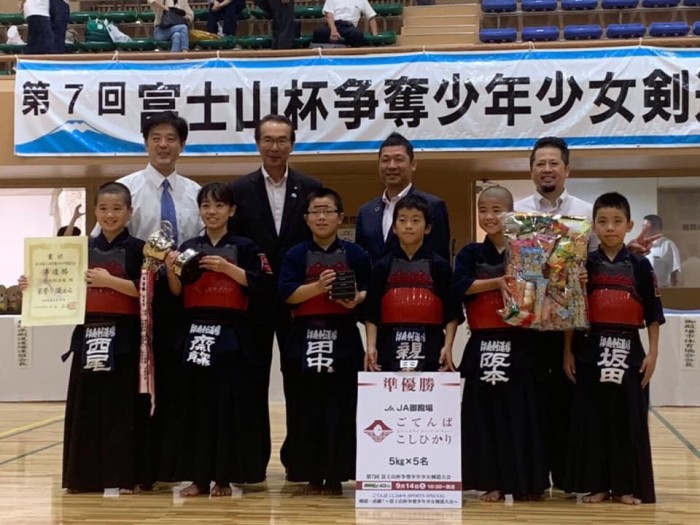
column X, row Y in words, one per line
column 226, row 11
column 177, row 14
column 39, row 32
column 342, row 17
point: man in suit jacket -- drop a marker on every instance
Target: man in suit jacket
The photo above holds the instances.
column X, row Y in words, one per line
column 270, row 208
column 373, row 228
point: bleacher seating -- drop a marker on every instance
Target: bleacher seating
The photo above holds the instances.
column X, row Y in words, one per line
column 540, row 34
column 587, row 19
column 660, row 3
column 583, row 32
column 626, row 31
column 538, row 5
column 498, row 35
column 499, row 6
column 619, row 4
column 579, row 5
column 667, row 29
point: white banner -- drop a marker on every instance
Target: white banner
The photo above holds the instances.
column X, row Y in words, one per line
column 408, row 440
column 690, row 343
column 23, row 343
column 611, row 97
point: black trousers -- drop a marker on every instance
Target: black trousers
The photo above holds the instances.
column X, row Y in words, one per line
column 40, row 35
column 229, row 14
column 59, row 12
column 351, row 34
column 283, row 26
column 263, row 330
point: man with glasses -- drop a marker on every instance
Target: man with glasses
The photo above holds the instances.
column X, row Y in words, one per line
column 270, row 207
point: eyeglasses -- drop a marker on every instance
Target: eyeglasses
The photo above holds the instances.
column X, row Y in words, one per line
column 322, row 213
column 281, row 142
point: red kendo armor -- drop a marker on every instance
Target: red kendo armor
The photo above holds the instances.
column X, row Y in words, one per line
column 215, row 289
column 410, row 297
column 612, row 286
column 482, row 308
column 107, row 300
column 316, row 263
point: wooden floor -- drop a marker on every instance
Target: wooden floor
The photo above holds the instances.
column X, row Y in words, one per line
column 30, row 492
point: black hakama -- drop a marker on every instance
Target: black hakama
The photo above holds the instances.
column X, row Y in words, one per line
column 502, row 436
column 103, row 444
column 210, row 445
column 609, row 447
column 503, row 444
column 321, row 437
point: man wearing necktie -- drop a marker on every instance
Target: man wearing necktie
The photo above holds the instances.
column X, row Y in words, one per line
column 165, row 135
column 270, row 208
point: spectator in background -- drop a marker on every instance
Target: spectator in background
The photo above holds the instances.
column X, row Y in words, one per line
column 342, row 18
column 663, row 255
column 690, row 269
column 171, row 23
column 39, row 32
column 59, row 13
column 283, row 26
column 71, row 229
column 225, row 11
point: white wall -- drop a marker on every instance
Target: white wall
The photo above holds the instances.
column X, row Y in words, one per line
column 31, row 213
column 23, row 213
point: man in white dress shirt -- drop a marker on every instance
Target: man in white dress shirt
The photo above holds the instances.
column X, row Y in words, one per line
column 663, row 256
column 549, row 169
column 165, row 135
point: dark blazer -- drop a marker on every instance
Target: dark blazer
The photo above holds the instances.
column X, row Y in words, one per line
column 253, row 218
column 368, row 229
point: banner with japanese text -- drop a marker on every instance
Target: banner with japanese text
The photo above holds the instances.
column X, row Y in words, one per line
column 408, row 440
column 604, row 97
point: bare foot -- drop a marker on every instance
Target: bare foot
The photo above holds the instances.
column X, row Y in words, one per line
column 220, row 490
column 628, row 499
column 333, row 488
column 598, row 497
column 191, row 491
column 134, row 490
column 491, row 497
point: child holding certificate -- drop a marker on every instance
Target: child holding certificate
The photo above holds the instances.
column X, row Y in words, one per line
column 104, row 412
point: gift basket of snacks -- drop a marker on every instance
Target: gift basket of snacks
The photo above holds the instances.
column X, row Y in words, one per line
column 544, row 254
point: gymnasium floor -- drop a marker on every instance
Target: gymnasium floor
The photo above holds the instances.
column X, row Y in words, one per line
column 30, row 493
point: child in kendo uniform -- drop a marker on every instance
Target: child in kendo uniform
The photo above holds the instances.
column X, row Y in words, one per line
column 503, row 449
column 213, row 445
column 411, row 316
column 324, row 351
column 104, row 412
column 609, row 453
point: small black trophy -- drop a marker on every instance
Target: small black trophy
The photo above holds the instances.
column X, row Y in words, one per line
column 344, row 286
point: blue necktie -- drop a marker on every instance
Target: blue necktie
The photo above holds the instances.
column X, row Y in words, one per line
column 167, row 209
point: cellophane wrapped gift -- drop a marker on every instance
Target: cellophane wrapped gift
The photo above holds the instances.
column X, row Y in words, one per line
column 543, row 255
